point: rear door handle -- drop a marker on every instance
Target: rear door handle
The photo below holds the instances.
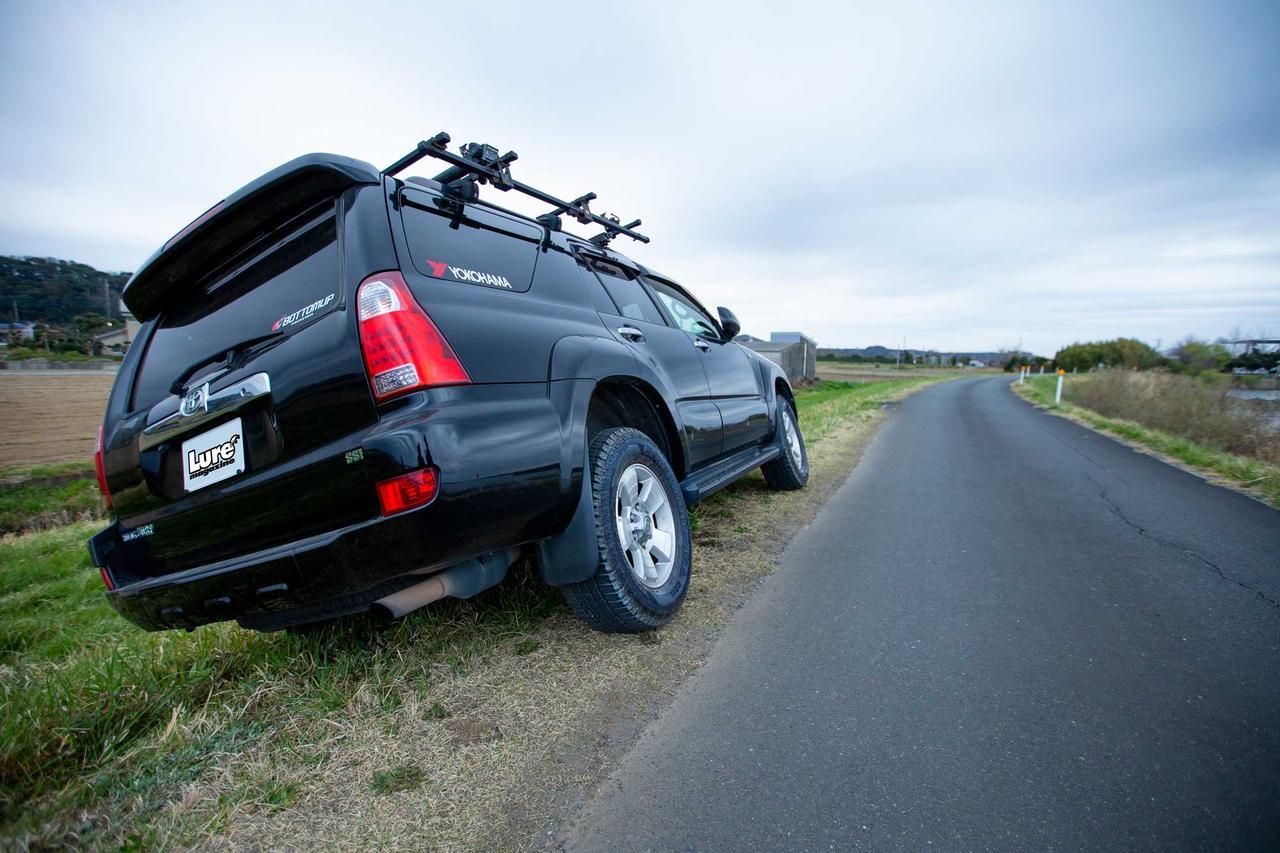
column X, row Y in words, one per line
column 702, row 345
column 205, row 406
column 631, row 333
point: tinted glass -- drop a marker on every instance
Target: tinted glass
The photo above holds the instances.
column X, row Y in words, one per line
column 626, row 292
column 281, row 290
column 469, row 244
column 684, row 312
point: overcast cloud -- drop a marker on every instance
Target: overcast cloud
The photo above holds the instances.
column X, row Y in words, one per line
column 961, row 174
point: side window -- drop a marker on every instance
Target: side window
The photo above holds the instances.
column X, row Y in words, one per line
column 684, row 312
column 469, row 244
column 626, row 292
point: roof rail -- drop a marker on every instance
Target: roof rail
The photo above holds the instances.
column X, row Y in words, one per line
column 479, row 162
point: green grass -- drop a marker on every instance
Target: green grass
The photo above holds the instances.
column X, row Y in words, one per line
column 98, row 718
column 47, row 496
column 93, row 710
column 823, row 406
column 1255, row 474
column 403, row 777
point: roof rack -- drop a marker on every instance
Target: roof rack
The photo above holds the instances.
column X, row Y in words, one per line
column 480, row 163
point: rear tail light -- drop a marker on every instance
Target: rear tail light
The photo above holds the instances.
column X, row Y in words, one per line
column 403, row 349
column 106, row 578
column 102, row 473
column 417, row 488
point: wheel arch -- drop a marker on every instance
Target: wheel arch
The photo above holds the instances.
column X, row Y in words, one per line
column 631, row 401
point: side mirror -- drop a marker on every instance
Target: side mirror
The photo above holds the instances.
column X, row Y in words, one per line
column 729, row 323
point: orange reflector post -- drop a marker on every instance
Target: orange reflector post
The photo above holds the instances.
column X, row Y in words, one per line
column 417, row 488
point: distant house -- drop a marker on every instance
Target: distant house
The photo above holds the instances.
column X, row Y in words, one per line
column 974, row 362
column 795, row 352
column 810, row 349
column 21, row 331
column 118, row 339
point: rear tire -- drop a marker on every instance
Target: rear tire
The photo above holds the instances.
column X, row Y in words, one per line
column 642, row 537
column 790, row 471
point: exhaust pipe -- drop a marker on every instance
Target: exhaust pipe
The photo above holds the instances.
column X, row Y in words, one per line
column 460, row 581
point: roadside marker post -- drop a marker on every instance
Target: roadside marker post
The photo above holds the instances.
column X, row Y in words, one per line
column 1057, row 397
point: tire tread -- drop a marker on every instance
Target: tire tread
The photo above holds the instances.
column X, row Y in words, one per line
column 781, row 474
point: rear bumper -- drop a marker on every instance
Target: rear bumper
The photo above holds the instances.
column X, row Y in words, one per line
column 321, row 577
column 505, row 481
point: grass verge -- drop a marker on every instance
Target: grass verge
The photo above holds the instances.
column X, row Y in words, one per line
column 464, row 725
column 47, row 496
column 1251, row 476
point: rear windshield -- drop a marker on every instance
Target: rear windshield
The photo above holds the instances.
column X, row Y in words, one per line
column 274, row 291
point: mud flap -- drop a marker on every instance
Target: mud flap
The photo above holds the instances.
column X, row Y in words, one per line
column 572, row 556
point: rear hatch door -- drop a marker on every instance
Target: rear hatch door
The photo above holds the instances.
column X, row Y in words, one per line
column 243, row 405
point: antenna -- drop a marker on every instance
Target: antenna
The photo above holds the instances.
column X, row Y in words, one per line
column 478, row 163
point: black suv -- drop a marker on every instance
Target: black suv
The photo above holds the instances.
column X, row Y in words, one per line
column 353, row 392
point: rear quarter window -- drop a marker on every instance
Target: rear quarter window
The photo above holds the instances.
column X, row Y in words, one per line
column 624, row 289
column 469, row 244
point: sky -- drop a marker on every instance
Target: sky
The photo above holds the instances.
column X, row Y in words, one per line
column 963, row 176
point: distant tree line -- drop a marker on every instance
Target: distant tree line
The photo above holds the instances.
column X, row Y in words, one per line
column 1191, row 356
column 1121, row 352
column 865, row 359
column 67, row 301
column 47, row 290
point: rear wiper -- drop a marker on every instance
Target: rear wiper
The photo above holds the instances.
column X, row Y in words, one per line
column 230, row 359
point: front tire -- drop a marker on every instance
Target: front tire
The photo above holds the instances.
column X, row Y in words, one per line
column 642, row 537
column 790, row 471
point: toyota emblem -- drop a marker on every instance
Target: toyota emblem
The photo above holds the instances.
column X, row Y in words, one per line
column 195, row 401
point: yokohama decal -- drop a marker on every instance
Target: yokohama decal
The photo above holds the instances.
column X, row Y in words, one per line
column 440, row 269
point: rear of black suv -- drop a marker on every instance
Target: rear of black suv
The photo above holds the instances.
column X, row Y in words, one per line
column 354, row 392
column 289, row 408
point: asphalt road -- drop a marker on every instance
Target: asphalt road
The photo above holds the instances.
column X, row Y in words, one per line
column 1003, row 632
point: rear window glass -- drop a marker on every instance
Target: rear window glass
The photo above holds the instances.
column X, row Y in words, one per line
column 469, row 244
column 277, row 291
column 626, row 292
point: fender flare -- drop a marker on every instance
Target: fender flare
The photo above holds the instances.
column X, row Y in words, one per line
column 770, row 375
column 578, row 364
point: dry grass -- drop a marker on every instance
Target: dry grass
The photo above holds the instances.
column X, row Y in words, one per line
column 1182, row 406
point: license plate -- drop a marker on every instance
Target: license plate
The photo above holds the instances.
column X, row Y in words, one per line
column 213, row 456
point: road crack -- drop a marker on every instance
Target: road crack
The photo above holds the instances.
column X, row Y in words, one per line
column 1144, row 532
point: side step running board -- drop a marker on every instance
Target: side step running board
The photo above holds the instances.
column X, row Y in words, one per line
column 709, row 480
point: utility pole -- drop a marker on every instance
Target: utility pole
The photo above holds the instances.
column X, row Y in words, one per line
column 106, row 299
